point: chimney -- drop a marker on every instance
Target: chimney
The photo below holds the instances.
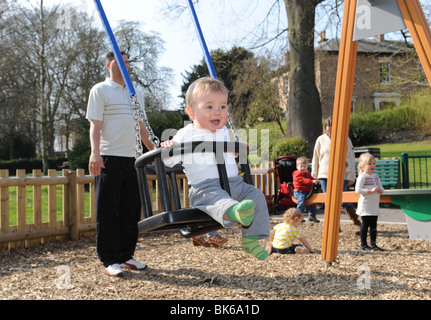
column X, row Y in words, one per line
column 379, row 38
column 322, row 37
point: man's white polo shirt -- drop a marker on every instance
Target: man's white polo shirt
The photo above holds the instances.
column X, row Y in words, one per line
column 110, row 103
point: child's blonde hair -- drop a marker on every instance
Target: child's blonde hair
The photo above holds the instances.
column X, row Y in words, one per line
column 302, row 160
column 292, row 215
column 202, row 86
column 364, row 159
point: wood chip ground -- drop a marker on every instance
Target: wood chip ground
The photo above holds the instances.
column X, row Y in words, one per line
column 179, row 271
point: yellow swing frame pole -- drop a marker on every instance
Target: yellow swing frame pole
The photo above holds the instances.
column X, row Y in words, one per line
column 340, row 132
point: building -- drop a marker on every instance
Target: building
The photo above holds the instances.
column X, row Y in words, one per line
column 386, row 71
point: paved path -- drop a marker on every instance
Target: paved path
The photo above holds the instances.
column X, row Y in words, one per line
column 391, row 214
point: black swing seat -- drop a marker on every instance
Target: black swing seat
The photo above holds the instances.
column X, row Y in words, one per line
column 190, row 222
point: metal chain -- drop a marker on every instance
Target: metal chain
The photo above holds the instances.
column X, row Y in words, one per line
column 139, row 148
column 139, row 114
column 232, row 126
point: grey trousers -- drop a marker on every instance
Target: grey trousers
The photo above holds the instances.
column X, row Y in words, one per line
column 209, row 197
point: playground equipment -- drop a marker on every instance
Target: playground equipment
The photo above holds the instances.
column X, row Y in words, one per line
column 362, row 19
column 415, row 203
column 190, row 222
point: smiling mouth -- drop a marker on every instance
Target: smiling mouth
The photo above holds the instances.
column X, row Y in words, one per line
column 215, row 122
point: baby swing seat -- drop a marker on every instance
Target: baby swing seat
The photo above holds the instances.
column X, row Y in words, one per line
column 190, row 222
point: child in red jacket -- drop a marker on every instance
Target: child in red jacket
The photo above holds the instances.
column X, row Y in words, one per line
column 303, row 183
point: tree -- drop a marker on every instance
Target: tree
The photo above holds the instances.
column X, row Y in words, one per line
column 17, row 83
column 47, row 70
column 258, row 80
column 304, row 108
column 228, row 65
column 304, row 111
column 144, row 50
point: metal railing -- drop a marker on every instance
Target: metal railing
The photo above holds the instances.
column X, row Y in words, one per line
column 416, row 171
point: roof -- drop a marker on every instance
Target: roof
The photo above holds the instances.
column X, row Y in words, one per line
column 369, row 46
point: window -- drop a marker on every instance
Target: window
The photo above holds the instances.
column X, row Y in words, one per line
column 385, row 71
column 285, row 85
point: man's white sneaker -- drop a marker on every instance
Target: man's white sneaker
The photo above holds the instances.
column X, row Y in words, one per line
column 114, row 270
column 133, row 264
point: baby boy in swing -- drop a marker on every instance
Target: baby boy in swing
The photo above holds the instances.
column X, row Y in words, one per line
column 207, row 107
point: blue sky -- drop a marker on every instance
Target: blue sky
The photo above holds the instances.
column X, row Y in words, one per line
column 222, row 28
column 224, row 24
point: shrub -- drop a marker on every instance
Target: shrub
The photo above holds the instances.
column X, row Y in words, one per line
column 362, row 134
column 30, row 164
column 295, row 147
column 80, row 154
column 365, row 128
column 23, row 147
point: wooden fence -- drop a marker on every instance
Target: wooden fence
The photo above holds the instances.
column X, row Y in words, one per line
column 37, row 209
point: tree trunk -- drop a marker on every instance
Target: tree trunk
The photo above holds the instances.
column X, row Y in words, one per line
column 42, row 81
column 304, row 111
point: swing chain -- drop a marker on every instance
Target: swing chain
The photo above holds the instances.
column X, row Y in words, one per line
column 232, row 126
column 139, row 148
column 139, row 114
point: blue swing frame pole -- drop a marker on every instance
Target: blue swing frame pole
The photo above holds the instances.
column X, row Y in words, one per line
column 202, row 40
column 115, row 49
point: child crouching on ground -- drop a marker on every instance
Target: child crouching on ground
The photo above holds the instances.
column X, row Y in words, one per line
column 207, row 107
column 284, row 234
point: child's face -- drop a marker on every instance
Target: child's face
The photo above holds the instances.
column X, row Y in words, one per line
column 302, row 167
column 209, row 111
column 370, row 167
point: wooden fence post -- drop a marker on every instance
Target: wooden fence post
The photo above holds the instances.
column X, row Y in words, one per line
column 4, row 207
column 73, row 212
column 21, row 222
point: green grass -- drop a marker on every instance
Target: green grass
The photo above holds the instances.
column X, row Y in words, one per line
column 29, row 204
column 414, row 148
column 418, row 171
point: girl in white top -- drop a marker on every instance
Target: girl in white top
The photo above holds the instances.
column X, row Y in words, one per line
column 370, row 188
column 207, row 106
